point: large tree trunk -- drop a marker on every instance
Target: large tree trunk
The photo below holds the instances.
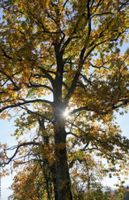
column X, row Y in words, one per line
column 62, row 184
column 62, row 179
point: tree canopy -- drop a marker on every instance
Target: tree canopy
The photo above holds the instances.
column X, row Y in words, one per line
column 65, row 55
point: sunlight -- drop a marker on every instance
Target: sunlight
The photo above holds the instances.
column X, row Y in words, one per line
column 66, row 113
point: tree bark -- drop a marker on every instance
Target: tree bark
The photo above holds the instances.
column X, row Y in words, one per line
column 62, row 178
column 62, row 185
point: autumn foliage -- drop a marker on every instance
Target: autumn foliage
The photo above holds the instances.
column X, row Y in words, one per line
column 57, row 56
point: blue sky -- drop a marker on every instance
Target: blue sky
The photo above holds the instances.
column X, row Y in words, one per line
column 123, row 121
column 6, row 129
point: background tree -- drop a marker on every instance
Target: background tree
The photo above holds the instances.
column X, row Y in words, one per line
column 69, row 50
column 30, row 179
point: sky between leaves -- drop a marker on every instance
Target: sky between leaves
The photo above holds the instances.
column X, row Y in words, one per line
column 7, row 128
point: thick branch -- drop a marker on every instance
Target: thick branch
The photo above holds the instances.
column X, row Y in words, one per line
column 76, row 77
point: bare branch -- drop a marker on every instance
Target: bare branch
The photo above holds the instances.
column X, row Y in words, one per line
column 17, row 149
column 33, row 85
column 11, row 79
column 65, row 3
column 76, row 77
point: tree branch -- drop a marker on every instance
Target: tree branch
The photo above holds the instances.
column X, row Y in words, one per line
column 17, row 149
column 13, row 105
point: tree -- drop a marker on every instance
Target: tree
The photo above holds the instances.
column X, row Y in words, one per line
column 30, row 179
column 70, row 51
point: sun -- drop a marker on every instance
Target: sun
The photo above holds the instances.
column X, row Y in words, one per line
column 66, row 113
